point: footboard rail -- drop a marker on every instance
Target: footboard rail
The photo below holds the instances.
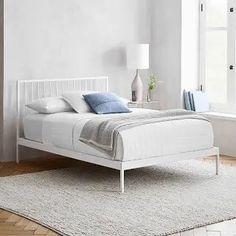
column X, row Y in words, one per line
column 122, row 166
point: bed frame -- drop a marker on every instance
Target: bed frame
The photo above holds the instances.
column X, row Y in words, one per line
column 29, row 90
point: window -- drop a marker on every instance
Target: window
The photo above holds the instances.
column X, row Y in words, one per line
column 217, row 53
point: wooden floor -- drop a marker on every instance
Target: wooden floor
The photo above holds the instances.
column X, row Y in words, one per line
column 13, row 225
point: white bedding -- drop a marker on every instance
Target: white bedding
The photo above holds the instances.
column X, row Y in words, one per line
column 165, row 138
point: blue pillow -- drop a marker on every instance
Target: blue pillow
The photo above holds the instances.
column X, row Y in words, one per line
column 105, row 103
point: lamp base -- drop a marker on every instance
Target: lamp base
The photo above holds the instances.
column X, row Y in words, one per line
column 137, row 88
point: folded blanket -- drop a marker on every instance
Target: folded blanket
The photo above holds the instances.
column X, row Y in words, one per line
column 102, row 132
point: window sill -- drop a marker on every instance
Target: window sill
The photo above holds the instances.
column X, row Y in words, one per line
column 220, row 115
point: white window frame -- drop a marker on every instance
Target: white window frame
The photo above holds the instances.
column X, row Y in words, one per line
column 230, row 107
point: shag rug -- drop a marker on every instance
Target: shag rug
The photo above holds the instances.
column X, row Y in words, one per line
column 157, row 200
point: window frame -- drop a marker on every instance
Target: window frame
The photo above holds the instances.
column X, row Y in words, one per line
column 230, row 106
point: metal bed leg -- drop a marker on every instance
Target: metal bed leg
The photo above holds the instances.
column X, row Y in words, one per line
column 17, row 154
column 217, row 163
column 122, row 180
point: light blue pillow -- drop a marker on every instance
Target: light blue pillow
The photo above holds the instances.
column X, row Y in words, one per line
column 105, row 103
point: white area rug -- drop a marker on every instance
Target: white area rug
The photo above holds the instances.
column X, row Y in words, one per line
column 157, row 201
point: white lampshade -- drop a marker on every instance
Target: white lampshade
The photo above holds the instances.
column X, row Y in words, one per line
column 137, row 56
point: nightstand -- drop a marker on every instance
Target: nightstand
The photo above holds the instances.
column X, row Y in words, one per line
column 154, row 105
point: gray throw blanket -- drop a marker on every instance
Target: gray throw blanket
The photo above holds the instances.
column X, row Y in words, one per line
column 102, row 132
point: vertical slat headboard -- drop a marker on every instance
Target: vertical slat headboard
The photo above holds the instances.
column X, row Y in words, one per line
column 29, row 90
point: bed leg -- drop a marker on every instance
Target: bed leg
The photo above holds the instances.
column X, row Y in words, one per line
column 17, row 154
column 217, row 163
column 122, row 180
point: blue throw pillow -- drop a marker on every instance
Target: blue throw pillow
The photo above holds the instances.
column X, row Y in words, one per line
column 105, row 103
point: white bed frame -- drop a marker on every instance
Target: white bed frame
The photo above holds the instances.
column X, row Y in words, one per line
column 29, row 90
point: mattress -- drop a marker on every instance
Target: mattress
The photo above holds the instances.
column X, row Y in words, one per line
column 152, row 140
column 33, row 127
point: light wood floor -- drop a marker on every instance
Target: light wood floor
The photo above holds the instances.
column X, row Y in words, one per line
column 13, row 225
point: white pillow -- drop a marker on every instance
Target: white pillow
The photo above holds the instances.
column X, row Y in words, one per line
column 50, row 105
column 76, row 100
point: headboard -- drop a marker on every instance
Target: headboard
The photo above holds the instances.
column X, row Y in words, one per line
column 29, row 90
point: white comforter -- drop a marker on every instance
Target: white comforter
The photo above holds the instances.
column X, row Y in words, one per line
column 170, row 137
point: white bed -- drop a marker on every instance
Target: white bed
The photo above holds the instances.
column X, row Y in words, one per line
column 137, row 147
column 165, row 138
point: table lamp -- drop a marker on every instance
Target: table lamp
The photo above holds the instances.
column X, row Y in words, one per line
column 137, row 56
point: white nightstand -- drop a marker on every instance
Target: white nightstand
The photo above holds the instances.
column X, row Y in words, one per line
column 154, row 105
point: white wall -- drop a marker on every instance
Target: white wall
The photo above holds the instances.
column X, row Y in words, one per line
column 1, row 74
column 175, row 42
column 69, row 38
column 166, row 51
column 175, row 48
column 225, row 134
column 190, row 44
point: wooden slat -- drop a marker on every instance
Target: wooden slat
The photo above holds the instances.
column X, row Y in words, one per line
column 11, row 224
column 41, row 230
column 15, row 231
column 23, row 222
column 13, row 218
column 11, row 227
column 5, row 215
column 50, row 233
column 31, row 226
